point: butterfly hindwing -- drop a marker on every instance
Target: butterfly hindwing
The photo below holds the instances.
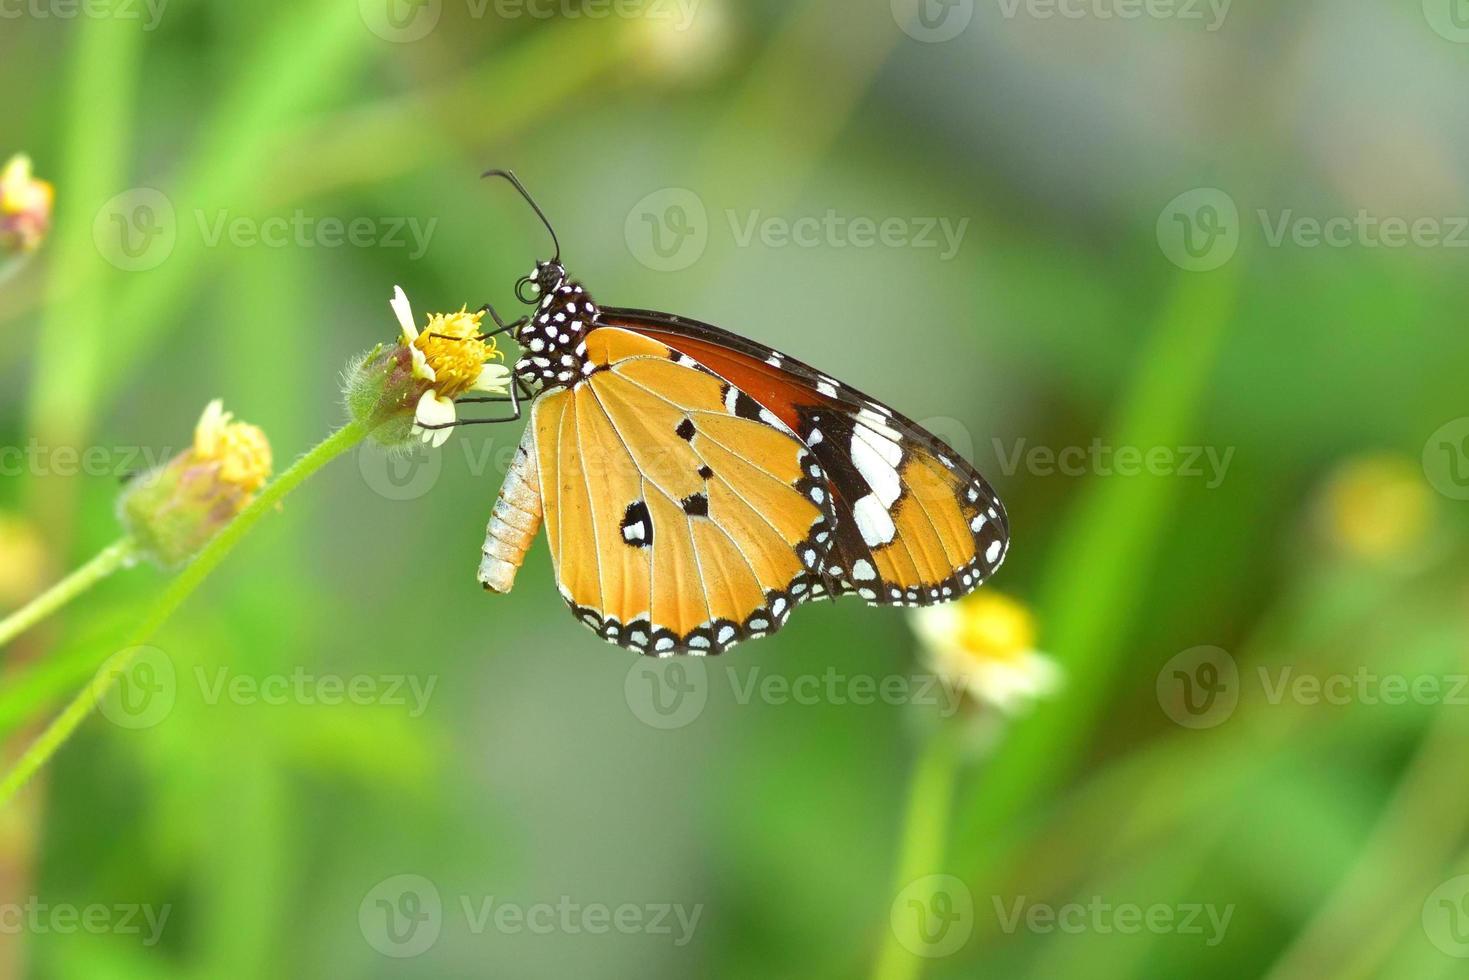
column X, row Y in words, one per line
column 915, row 522
column 682, row 518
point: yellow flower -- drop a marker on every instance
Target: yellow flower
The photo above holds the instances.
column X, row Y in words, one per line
column 452, row 358
column 174, row 510
column 1377, row 507
column 24, row 564
column 985, row 643
column 241, row 450
column 25, row 206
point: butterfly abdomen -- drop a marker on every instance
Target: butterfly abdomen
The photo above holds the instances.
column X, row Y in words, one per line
column 514, row 521
column 553, row 341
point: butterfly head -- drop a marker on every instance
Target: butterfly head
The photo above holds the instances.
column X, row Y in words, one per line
column 543, row 281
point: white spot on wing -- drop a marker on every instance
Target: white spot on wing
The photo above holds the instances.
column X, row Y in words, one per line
column 874, row 522
column 877, row 471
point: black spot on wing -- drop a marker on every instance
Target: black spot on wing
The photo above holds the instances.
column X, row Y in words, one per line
column 637, row 525
column 696, row 505
column 685, row 430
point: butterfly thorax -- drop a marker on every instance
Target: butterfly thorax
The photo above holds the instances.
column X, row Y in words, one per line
column 553, row 340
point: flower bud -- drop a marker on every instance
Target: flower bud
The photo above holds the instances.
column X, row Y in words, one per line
column 25, row 207
column 175, row 509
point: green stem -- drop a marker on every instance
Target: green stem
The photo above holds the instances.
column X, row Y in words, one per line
column 120, row 554
column 173, row 596
column 924, row 839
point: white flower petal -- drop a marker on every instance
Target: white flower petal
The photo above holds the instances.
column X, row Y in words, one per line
column 421, row 367
column 404, row 311
column 494, row 378
column 433, row 411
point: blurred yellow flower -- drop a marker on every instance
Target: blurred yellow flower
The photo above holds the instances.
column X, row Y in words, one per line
column 450, row 357
column 985, row 643
column 174, row 510
column 24, row 566
column 25, row 206
column 1377, row 507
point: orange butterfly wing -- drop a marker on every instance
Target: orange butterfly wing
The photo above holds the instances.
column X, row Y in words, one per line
column 681, row 518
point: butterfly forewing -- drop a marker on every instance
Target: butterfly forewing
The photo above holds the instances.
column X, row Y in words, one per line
column 681, row 517
column 915, row 523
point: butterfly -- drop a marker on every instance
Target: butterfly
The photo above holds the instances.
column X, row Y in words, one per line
column 697, row 486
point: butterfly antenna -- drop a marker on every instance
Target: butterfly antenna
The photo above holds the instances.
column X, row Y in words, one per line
column 515, row 182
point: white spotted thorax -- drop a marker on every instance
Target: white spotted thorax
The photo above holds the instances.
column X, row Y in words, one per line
column 553, row 340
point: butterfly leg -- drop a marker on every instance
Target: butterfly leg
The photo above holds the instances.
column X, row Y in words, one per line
column 500, row 325
column 515, row 411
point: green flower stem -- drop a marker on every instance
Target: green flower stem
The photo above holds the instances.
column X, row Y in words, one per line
column 118, row 555
column 924, row 840
column 173, row 596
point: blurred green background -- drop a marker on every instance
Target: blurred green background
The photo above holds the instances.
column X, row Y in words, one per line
column 1130, row 190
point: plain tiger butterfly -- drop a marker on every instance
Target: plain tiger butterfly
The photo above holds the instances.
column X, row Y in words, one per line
column 697, row 486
